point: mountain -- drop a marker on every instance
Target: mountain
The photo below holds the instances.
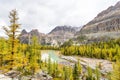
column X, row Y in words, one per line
column 25, row 37
column 106, row 23
column 24, row 32
column 58, row 35
column 63, row 33
column 65, row 29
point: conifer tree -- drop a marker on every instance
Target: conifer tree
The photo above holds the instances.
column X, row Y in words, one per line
column 12, row 33
column 75, row 72
column 70, row 73
column 116, row 71
column 89, row 74
column 97, row 73
column 55, row 69
column 66, row 73
column 34, row 56
column 3, row 49
column 79, row 67
column 35, row 46
column 49, row 66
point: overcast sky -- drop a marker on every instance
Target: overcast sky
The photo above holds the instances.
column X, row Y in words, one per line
column 44, row 15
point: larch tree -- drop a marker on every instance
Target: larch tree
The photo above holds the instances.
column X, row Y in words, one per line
column 66, row 75
column 75, row 72
column 97, row 73
column 2, row 51
column 34, row 56
column 89, row 74
column 116, row 71
column 49, row 67
column 12, row 33
column 79, row 67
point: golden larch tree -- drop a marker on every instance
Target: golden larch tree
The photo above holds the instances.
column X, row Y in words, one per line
column 12, row 33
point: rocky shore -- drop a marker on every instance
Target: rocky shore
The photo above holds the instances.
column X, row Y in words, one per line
column 13, row 75
column 104, row 65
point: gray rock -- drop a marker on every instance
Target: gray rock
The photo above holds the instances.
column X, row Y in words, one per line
column 106, row 21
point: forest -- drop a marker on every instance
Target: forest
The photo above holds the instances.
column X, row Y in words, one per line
column 109, row 50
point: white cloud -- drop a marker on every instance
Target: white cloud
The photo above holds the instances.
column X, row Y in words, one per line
column 46, row 14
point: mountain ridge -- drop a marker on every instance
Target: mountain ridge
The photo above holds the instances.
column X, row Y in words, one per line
column 106, row 21
column 59, row 34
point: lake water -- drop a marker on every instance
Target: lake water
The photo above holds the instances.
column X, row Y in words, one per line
column 53, row 54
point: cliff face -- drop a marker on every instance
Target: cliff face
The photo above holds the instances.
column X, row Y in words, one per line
column 106, row 21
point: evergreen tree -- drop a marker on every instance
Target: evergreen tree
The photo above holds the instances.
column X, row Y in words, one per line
column 70, row 73
column 49, row 67
column 55, row 69
column 66, row 73
column 97, row 73
column 79, row 67
column 89, row 74
column 76, row 72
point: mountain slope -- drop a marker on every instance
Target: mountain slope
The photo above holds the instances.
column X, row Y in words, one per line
column 106, row 21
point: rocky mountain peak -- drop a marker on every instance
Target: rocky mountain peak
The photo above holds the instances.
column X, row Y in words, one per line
column 25, row 36
column 63, row 33
column 109, row 9
column 23, row 32
column 34, row 32
column 65, row 29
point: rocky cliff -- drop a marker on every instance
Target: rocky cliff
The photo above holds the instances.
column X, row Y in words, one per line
column 106, row 21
